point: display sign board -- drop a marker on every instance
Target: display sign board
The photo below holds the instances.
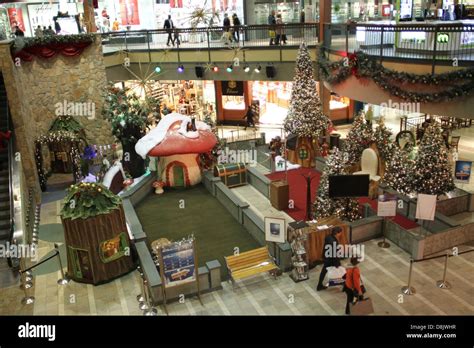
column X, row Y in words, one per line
column 233, row 88
column 16, row 18
column 275, row 230
column 406, row 7
column 442, row 38
column 387, row 205
column 178, row 263
column 463, row 171
column 426, row 207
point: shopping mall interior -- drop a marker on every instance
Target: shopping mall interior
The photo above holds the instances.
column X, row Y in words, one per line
column 231, row 157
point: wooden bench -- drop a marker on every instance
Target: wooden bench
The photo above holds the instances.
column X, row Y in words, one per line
column 250, row 263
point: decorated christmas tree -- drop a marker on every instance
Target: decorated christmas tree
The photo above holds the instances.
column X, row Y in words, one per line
column 358, row 139
column 305, row 115
column 432, row 173
column 383, row 140
column 325, row 206
column 129, row 117
column 399, row 170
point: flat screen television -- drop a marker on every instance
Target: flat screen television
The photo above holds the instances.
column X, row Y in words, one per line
column 348, row 186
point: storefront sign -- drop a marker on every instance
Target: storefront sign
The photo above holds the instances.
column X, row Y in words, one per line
column 16, row 18
column 463, row 171
column 233, row 88
column 442, row 38
column 178, row 263
column 129, row 12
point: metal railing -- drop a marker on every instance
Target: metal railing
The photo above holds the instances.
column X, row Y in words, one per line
column 438, row 44
column 207, row 38
column 443, row 283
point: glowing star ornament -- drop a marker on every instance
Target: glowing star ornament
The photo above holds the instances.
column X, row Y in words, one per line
column 203, row 15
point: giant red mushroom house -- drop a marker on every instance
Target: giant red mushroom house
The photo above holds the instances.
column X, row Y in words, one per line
column 178, row 141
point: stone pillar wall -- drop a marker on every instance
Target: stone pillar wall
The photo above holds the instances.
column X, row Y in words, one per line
column 34, row 88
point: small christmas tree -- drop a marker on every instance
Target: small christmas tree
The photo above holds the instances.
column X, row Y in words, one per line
column 398, row 173
column 325, row 206
column 432, row 173
column 305, row 115
column 383, row 140
column 358, row 139
column 129, row 117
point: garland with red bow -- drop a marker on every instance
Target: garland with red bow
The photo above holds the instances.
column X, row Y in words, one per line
column 414, row 88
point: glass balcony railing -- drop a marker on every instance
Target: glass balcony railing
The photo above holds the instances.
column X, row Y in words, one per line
column 440, row 43
column 252, row 36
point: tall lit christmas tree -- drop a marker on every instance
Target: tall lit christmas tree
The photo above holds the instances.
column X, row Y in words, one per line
column 432, row 173
column 398, row 172
column 383, row 140
column 305, row 115
column 325, row 206
column 358, row 139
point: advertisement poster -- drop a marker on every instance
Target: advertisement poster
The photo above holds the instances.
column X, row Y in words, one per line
column 406, row 9
column 233, row 88
column 129, row 12
column 16, row 18
column 178, row 263
column 426, row 207
column 387, row 205
column 463, row 171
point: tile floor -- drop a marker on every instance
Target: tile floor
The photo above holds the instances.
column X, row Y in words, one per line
column 384, row 272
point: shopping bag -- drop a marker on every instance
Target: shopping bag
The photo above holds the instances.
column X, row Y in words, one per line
column 272, row 34
column 362, row 307
column 335, row 275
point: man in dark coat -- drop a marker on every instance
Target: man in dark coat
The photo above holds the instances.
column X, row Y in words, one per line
column 329, row 255
column 169, row 26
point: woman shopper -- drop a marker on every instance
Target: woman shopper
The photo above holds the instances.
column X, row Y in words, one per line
column 280, row 31
column 352, row 285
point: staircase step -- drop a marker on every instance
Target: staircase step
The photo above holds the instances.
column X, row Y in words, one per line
column 5, row 205
column 4, row 179
column 4, row 197
column 4, row 233
column 5, row 224
column 4, row 214
column 4, row 188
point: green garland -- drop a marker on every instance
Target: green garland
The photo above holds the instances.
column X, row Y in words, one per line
column 25, row 42
column 451, row 85
column 66, row 123
column 86, row 200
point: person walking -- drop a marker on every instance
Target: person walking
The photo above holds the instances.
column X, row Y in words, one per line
column 236, row 27
column 329, row 255
column 226, row 35
column 18, row 32
column 249, row 116
column 38, row 31
column 280, row 31
column 271, row 28
column 169, row 26
column 352, row 285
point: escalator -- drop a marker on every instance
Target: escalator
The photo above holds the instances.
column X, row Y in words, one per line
column 5, row 202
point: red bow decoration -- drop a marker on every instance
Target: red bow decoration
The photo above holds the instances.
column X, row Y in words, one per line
column 4, row 137
column 353, row 62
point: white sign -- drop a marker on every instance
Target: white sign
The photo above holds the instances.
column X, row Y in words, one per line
column 387, row 205
column 426, row 207
column 275, row 230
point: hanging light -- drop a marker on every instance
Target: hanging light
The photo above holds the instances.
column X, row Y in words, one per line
column 258, row 69
column 215, row 68
column 181, row 69
column 158, row 69
column 247, row 68
column 230, row 68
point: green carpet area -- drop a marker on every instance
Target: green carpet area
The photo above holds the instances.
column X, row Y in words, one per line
column 217, row 232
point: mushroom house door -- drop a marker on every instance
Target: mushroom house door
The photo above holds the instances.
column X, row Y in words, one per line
column 178, row 176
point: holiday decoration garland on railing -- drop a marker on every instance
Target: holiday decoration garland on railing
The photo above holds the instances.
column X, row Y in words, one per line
column 445, row 87
column 51, row 45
